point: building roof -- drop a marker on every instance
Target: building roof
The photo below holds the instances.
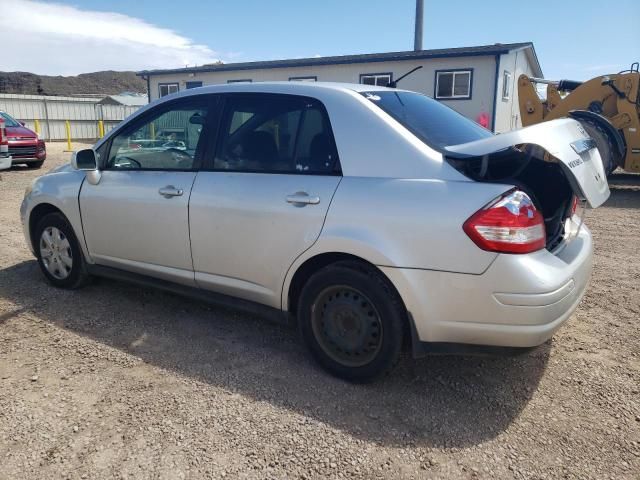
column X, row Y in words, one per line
column 481, row 50
column 130, row 99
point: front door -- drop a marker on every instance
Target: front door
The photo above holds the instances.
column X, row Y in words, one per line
column 136, row 217
column 265, row 198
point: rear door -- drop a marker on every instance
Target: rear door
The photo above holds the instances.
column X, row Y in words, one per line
column 265, row 196
column 136, row 218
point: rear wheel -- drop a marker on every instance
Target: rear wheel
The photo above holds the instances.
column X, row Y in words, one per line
column 352, row 321
column 58, row 252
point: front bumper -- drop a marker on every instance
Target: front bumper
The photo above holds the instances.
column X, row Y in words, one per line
column 24, row 207
column 520, row 301
column 27, row 151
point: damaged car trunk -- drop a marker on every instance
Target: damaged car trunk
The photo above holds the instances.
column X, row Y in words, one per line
column 544, row 182
column 554, row 163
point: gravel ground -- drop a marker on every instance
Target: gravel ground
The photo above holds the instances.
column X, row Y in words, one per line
column 115, row 381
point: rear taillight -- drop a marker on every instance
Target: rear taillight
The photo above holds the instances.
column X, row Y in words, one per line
column 510, row 224
column 574, row 205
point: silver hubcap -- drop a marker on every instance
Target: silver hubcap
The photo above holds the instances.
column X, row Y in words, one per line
column 55, row 251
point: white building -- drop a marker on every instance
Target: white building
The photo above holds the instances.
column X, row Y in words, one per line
column 479, row 82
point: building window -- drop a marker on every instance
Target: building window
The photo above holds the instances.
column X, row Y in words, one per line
column 506, row 85
column 379, row 79
column 193, row 85
column 303, row 79
column 243, row 80
column 165, row 89
column 453, row 84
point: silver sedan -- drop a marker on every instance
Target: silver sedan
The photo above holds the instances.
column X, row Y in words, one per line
column 377, row 219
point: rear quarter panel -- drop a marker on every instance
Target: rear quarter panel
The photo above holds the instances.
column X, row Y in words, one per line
column 405, row 223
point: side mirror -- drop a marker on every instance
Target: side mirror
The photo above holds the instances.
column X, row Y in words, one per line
column 21, row 123
column 84, row 160
column 87, row 161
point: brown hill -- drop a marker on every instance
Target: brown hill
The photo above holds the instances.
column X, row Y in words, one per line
column 107, row 83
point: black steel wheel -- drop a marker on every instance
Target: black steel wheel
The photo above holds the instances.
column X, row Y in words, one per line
column 347, row 325
column 352, row 320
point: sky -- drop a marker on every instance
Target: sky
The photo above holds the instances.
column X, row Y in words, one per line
column 575, row 39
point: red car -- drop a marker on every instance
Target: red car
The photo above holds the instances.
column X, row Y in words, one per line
column 24, row 144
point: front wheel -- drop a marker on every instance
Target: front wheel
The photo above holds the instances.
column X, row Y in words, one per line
column 352, row 321
column 58, row 252
column 35, row 165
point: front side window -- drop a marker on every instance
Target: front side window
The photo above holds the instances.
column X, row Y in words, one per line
column 165, row 89
column 379, row 79
column 506, row 85
column 455, row 84
column 165, row 141
column 432, row 122
column 276, row 134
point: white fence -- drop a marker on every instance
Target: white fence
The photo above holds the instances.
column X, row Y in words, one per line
column 47, row 115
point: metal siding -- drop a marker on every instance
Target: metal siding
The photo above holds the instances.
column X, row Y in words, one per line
column 82, row 113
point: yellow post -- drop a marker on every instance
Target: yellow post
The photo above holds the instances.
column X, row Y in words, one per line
column 37, row 126
column 101, row 128
column 67, row 127
column 153, row 131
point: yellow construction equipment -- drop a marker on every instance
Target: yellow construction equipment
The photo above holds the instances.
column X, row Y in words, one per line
column 608, row 107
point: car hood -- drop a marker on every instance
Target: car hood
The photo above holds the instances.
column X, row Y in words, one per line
column 66, row 167
column 20, row 132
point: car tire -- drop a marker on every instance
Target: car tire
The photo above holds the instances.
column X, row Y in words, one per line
column 35, row 165
column 352, row 320
column 58, row 252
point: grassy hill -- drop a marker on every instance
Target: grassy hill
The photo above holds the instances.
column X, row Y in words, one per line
column 108, row 83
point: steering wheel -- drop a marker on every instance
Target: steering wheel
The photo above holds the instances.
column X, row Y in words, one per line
column 133, row 161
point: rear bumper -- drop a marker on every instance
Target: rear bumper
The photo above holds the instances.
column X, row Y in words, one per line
column 520, row 301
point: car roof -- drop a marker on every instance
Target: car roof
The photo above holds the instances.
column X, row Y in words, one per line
column 283, row 87
column 289, row 85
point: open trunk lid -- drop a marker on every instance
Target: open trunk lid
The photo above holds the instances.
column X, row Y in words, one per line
column 564, row 140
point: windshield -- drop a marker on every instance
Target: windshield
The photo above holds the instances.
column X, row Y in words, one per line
column 432, row 122
column 9, row 121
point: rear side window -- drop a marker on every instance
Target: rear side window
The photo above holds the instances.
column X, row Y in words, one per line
column 276, row 134
column 432, row 122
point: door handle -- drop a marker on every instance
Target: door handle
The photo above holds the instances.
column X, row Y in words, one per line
column 170, row 191
column 303, row 198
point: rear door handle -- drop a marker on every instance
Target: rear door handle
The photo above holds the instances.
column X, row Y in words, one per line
column 170, row 191
column 303, row 198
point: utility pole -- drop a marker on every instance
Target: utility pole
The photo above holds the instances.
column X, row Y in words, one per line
column 417, row 40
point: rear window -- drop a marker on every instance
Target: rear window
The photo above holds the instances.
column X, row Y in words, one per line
column 432, row 122
column 9, row 121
